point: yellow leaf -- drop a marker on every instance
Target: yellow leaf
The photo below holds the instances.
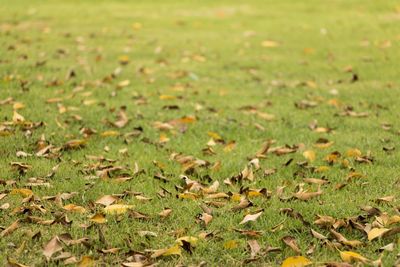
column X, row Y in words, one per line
column 231, row 244
column 376, row 232
column 17, row 117
column 167, row 97
column 394, row 219
column 137, row 26
column 324, row 145
column 174, row 250
column 163, row 138
column 214, row 136
column 296, row 261
column 74, row 208
column 353, row 153
column 123, row 84
column 269, row 44
column 18, row 105
column 254, row 193
column 236, row 197
column 350, row 256
column 109, row 133
column 22, row 191
column 322, row 169
column 98, row 218
column 309, row 155
column 123, row 59
column 187, row 196
column 117, row 209
column 230, row 146
column 86, row 261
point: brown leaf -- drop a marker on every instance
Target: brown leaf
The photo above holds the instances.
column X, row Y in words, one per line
column 14, row 226
column 291, row 242
column 53, row 246
column 165, row 212
column 206, row 218
column 249, row 233
column 106, row 200
column 254, row 247
column 244, row 203
column 304, row 195
column 318, row 235
column 339, row 237
column 122, row 119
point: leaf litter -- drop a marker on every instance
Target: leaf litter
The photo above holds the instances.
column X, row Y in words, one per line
column 112, row 173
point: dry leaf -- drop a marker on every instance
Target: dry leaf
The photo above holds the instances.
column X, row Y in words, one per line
column 350, row 256
column 206, row 218
column 251, row 217
column 254, row 248
column 14, row 226
column 309, row 155
column 376, row 232
column 117, row 209
column 106, row 200
column 230, row 244
column 165, row 213
column 269, row 44
column 291, row 242
column 86, row 261
column 174, row 250
column 53, row 246
column 296, row 261
column 98, row 218
column 74, row 208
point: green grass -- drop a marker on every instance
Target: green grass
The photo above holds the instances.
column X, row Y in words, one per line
column 216, row 46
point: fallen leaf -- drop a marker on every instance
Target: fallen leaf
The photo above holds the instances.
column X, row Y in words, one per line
column 254, row 247
column 269, row 44
column 14, row 226
column 296, row 261
column 117, row 209
column 74, row 208
column 86, row 261
column 376, row 232
column 309, row 155
column 251, row 217
column 165, row 212
column 230, row 244
column 350, row 256
column 53, row 246
column 174, row 250
column 106, row 200
column 98, row 218
column 291, row 242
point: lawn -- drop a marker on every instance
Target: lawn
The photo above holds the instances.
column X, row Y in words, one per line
column 186, row 133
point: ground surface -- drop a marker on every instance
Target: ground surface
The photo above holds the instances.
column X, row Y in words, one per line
column 106, row 104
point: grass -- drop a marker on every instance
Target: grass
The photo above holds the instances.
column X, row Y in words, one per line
column 208, row 60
